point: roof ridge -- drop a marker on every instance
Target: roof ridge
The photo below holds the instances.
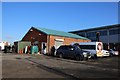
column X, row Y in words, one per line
column 50, row 29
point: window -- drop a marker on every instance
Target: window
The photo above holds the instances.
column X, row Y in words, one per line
column 118, row 31
column 114, row 32
column 103, row 33
column 87, row 47
column 70, row 48
column 91, row 34
column 81, row 34
column 63, row 47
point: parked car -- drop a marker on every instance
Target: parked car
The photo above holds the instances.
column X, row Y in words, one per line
column 70, row 51
column 106, row 53
column 113, row 52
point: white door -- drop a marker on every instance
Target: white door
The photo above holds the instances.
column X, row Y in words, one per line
column 43, row 47
column 58, row 43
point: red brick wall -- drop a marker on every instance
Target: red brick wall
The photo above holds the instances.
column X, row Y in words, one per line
column 66, row 41
column 35, row 35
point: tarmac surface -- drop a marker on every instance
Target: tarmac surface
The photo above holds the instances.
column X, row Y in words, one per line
column 42, row 66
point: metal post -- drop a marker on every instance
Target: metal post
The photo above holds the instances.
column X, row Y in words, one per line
column 108, row 39
column 97, row 36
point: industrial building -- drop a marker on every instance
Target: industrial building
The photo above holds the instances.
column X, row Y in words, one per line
column 109, row 35
column 47, row 38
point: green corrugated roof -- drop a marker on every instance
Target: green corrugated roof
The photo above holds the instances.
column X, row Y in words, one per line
column 59, row 33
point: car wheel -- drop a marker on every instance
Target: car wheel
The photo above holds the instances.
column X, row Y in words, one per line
column 95, row 56
column 111, row 54
column 85, row 58
column 60, row 55
column 79, row 58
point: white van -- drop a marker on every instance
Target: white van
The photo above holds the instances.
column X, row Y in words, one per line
column 2, row 45
column 95, row 48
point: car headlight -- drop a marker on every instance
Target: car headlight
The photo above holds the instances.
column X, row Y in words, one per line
column 85, row 54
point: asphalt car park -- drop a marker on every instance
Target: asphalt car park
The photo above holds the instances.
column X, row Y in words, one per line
column 42, row 66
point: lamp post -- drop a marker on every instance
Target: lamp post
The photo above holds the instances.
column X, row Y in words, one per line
column 108, row 39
